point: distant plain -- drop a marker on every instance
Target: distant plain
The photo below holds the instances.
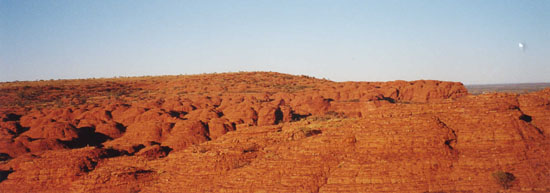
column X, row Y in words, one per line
column 509, row 88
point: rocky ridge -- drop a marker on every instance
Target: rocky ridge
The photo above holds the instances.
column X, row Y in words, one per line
column 271, row 132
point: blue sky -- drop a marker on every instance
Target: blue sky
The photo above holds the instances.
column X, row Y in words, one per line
column 466, row 41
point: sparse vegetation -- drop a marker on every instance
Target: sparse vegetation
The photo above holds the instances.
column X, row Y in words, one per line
column 328, row 116
column 199, row 149
column 291, row 88
column 28, row 93
column 293, row 134
column 271, row 155
column 116, row 93
column 310, row 132
column 352, row 101
column 504, row 179
column 238, row 163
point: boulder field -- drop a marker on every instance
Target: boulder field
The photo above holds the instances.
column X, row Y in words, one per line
column 269, row 132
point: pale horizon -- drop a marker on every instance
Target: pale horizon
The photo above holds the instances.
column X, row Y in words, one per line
column 473, row 42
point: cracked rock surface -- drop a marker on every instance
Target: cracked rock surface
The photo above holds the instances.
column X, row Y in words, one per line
column 269, row 132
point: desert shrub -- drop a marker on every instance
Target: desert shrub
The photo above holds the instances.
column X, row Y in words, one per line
column 58, row 102
column 352, row 100
column 28, row 93
column 310, row 132
column 239, row 163
column 291, row 88
column 199, row 149
column 504, row 179
column 328, row 116
column 116, row 93
column 335, row 114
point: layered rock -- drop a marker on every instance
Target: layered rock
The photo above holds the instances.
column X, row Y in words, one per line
column 269, row 132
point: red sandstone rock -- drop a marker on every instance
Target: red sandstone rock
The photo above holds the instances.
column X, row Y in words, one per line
column 218, row 127
column 203, row 115
column 110, row 129
column 94, row 116
column 127, row 116
column 359, row 137
column 39, row 145
column 12, row 147
column 53, row 130
column 425, row 90
column 154, row 152
column 241, row 114
column 310, row 105
column 8, row 129
column 53, row 170
column 177, row 106
column 269, row 115
column 145, row 132
column 186, row 133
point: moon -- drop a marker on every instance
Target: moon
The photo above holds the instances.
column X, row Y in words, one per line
column 521, row 46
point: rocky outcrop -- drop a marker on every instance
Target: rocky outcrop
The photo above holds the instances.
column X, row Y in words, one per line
column 51, row 171
column 270, row 115
column 425, row 90
column 535, row 109
column 218, row 127
column 269, row 132
column 186, row 133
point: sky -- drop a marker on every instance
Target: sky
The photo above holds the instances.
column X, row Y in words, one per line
column 474, row 42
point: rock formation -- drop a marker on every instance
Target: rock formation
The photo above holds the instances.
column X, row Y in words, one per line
column 269, row 132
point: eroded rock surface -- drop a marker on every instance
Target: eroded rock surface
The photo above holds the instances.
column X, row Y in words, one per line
column 269, row 132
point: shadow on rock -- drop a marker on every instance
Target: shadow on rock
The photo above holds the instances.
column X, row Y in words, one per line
column 4, row 174
column 87, row 137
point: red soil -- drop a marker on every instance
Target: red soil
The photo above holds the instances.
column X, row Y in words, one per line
column 269, row 132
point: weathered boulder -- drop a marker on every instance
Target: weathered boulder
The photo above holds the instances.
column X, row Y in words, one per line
column 154, row 152
column 314, row 105
column 54, row 130
column 111, row 129
column 270, row 115
column 145, row 132
column 241, row 114
column 186, row 133
column 218, row 127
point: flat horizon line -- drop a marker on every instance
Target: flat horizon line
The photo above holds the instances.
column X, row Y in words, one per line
column 229, row 72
